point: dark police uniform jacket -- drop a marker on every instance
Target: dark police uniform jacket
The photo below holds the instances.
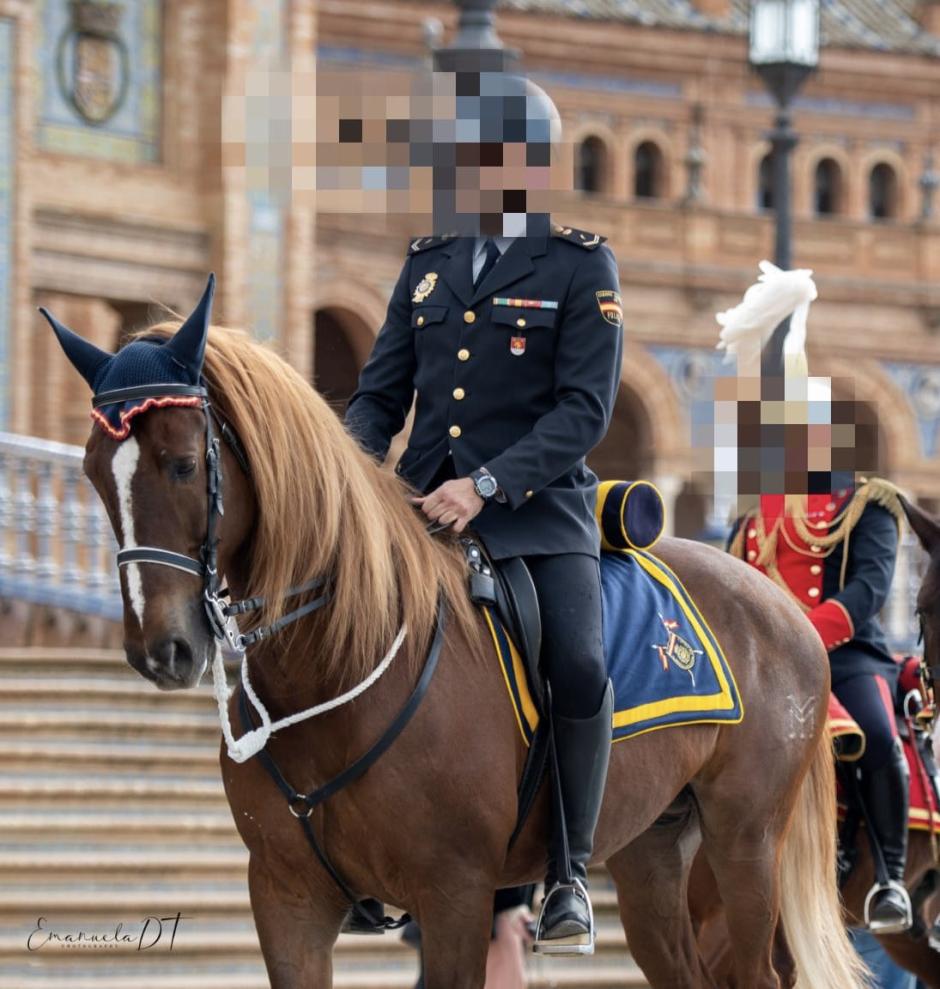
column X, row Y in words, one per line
column 518, row 375
column 841, row 578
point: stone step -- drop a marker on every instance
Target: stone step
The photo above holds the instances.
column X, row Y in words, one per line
column 42, row 660
column 61, row 791
column 172, row 825
column 41, row 754
column 109, row 723
column 588, row 973
column 94, row 693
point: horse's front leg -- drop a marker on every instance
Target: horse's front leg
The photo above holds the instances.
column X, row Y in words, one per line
column 297, row 927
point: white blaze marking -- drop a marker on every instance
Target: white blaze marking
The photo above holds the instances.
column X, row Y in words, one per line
column 124, row 466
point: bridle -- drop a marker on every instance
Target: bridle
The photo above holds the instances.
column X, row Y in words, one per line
column 218, row 611
column 221, row 614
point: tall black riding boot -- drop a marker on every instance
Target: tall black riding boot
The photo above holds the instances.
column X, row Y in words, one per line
column 887, row 796
column 583, row 744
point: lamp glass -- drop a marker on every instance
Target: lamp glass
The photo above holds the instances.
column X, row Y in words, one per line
column 784, row 31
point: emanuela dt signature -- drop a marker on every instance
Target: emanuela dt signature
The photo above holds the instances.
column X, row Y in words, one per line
column 152, row 931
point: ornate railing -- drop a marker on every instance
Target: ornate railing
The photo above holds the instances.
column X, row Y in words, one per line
column 56, row 544
column 57, row 548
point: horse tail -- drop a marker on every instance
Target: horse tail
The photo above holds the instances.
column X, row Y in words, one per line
column 810, row 906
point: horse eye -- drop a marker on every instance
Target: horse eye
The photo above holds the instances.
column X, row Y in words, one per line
column 184, row 468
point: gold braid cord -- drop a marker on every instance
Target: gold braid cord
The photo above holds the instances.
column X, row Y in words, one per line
column 875, row 489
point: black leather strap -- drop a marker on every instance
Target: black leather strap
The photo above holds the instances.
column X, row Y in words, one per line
column 165, row 557
column 147, row 391
column 302, row 804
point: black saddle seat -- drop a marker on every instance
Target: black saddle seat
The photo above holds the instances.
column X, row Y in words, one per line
column 517, row 607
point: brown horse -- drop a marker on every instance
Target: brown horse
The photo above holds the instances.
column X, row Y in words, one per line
column 427, row 828
column 911, row 950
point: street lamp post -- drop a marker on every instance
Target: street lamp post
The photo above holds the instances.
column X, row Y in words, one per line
column 784, row 51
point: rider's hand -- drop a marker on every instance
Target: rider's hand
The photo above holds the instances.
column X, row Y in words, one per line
column 454, row 502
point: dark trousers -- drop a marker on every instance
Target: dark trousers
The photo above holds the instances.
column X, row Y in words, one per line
column 568, row 587
column 868, row 699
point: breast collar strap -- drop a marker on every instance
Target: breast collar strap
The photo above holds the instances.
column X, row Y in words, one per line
column 219, row 612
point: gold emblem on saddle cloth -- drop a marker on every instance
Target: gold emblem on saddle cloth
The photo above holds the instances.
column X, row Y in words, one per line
column 676, row 649
column 425, row 287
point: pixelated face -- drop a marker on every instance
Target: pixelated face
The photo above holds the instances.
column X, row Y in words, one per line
column 458, row 152
column 800, row 441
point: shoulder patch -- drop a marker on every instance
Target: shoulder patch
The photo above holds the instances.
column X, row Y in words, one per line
column 582, row 238
column 420, row 244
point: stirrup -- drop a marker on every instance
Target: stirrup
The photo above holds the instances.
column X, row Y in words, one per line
column 889, row 928
column 573, row 946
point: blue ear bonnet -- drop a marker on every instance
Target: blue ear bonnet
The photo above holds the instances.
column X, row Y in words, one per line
column 146, row 363
column 140, row 363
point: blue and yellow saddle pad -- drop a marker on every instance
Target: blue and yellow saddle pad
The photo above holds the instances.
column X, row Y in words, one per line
column 665, row 663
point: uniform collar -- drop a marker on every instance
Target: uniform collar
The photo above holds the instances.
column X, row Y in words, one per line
column 516, row 264
column 502, row 244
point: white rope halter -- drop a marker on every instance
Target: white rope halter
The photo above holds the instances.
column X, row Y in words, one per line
column 252, row 742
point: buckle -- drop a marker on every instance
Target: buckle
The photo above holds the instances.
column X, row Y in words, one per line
column 223, row 627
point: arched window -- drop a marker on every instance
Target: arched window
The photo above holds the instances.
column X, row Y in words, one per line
column 765, row 183
column 591, row 166
column 882, row 192
column 827, row 188
column 648, row 177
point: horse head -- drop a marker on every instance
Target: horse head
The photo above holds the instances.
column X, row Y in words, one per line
column 152, row 472
column 927, row 530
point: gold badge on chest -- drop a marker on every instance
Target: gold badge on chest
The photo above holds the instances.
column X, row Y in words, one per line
column 425, row 287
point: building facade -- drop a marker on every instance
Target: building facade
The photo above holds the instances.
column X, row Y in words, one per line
column 143, row 144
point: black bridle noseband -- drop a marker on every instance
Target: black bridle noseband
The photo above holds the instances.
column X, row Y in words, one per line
column 218, row 611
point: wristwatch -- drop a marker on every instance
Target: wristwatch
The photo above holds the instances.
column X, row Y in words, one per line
column 484, row 484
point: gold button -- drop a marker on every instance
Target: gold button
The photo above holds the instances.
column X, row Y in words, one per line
column 454, row 431
column 463, row 354
column 520, row 322
column 529, row 493
column 816, row 549
column 420, row 321
column 469, row 316
column 751, row 533
column 751, row 553
column 813, row 592
column 831, row 506
column 459, row 393
column 815, row 569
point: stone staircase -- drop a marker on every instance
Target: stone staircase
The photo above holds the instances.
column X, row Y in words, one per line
column 112, row 810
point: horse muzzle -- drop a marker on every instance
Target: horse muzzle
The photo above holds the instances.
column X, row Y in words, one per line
column 171, row 663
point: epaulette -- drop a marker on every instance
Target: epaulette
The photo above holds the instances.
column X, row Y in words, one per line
column 582, row 238
column 420, row 244
column 881, row 492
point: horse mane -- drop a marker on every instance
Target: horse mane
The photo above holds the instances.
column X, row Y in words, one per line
column 324, row 507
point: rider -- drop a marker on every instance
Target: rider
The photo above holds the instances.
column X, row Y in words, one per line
column 508, row 339
column 833, row 550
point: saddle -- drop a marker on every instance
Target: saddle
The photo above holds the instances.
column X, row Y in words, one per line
column 629, row 514
column 507, row 586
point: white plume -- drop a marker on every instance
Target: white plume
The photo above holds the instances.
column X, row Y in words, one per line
column 746, row 329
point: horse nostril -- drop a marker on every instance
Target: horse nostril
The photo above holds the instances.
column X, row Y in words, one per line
column 175, row 657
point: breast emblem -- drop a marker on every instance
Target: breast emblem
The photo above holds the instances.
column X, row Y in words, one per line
column 425, row 287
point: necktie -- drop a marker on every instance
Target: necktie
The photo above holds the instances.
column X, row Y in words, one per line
column 492, row 256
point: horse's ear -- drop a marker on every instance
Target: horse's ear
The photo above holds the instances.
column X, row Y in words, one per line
column 926, row 527
column 85, row 357
column 188, row 344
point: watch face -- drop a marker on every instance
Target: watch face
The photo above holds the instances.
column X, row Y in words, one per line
column 486, row 486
